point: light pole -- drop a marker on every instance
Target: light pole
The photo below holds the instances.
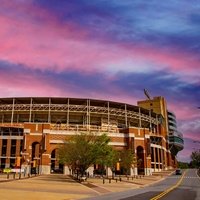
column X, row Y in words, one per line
column 119, row 169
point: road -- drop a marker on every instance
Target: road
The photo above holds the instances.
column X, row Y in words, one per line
column 173, row 187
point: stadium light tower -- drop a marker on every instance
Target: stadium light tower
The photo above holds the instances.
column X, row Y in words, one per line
column 146, row 93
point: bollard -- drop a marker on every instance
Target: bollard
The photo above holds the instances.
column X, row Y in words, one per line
column 116, row 180
column 14, row 176
column 103, row 180
column 120, row 179
column 7, row 175
column 19, row 175
column 109, row 180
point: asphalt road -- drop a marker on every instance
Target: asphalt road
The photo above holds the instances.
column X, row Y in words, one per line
column 173, row 187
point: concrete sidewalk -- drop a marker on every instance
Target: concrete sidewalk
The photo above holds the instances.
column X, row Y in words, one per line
column 62, row 187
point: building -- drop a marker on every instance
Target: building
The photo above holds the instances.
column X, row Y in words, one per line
column 176, row 142
column 32, row 128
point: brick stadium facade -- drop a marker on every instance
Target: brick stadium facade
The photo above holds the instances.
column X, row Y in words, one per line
column 32, row 128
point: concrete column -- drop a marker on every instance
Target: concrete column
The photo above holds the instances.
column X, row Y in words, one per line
column 165, row 158
column 66, row 170
column 148, row 170
column 162, row 159
column 108, row 116
column 158, row 151
column 45, row 169
column 140, row 122
column 46, row 163
column 133, row 171
column 49, row 112
column 30, row 111
column 108, row 171
column 13, row 109
column 126, row 115
column 90, row 170
column 154, row 154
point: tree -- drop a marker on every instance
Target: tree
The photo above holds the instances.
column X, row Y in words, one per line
column 83, row 150
column 127, row 160
column 195, row 159
column 111, row 159
column 183, row 165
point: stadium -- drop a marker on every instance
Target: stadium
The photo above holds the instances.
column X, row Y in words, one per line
column 32, row 128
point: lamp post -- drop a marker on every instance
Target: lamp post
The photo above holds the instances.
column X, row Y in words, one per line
column 119, row 169
column 20, row 165
column 77, row 168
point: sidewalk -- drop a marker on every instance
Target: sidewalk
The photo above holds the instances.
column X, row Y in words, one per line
column 62, row 187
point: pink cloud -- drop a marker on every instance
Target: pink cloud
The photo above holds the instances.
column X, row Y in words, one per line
column 184, row 155
column 51, row 45
column 21, row 83
column 184, row 110
column 24, row 84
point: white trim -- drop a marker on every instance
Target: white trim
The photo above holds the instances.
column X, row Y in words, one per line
column 63, row 132
column 159, row 147
column 46, row 130
column 24, row 154
column 147, row 136
column 117, row 143
column 8, row 157
column 27, row 130
column 11, row 137
column 156, row 145
column 36, row 127
column 156, row 163
column 56, row 141
column 139, row 138
column 35, row 133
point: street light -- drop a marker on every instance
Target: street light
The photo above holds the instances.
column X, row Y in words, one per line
column 118, row 168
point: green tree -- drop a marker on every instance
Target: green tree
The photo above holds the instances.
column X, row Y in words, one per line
column 111, row 159
column 195, row 159
column 128, row 160
column 183, row 165
column 83, row 150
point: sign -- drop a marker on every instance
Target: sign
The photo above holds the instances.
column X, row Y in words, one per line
column 7, row 170
column 17, row 170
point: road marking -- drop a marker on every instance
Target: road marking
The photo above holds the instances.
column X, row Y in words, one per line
column 169, row 189
column 194, row 177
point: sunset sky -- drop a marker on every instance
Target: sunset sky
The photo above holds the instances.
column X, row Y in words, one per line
column 105, row 49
